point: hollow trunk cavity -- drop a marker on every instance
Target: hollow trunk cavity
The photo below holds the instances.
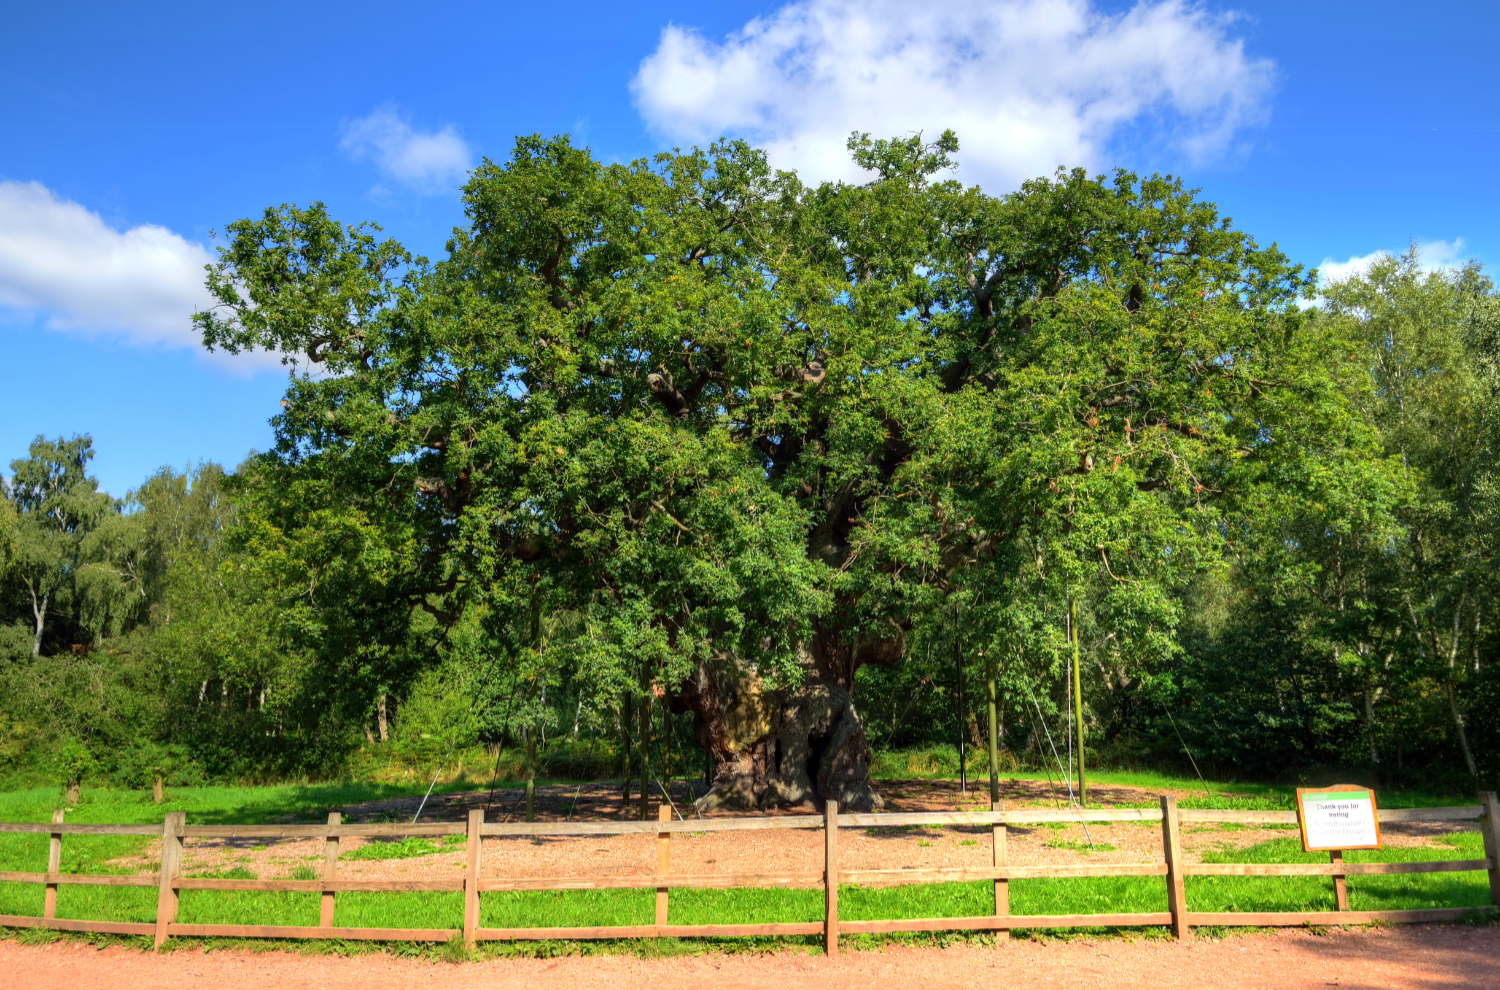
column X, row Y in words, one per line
column 787, row 747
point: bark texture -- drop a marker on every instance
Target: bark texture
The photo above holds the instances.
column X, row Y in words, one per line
column 787, row 747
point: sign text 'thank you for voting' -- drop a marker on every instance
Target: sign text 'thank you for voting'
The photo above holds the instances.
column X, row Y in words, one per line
column 1341, row 817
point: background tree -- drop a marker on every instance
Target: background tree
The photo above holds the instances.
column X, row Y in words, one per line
column 1428, row 402
column 58, row 506
column 1353, row 623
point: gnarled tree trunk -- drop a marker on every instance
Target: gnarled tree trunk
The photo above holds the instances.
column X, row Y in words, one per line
column 787, row 746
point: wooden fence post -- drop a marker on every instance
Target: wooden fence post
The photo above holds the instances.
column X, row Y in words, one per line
column 1171, row 841
column 471, row 876
column 54, row 866
column 171, row 866
column 330, row 870
column 831, row 877
column 1490, row 826
column 1002, row 887
column 663, row 861
column 1340, row 881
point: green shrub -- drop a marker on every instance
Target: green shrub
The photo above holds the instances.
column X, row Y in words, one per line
column 72, row 764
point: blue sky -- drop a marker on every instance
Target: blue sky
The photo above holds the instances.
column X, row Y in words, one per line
column 130, row 133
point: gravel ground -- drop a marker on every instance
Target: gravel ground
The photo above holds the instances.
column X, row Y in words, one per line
column 1412, row 957
column 778, row 851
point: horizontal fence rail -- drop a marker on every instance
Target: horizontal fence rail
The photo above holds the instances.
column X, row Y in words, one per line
column 81, row 879
column 174, row 829
column 58, row 828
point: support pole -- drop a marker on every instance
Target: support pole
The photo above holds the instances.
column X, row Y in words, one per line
column 330, row 870
column 171, row 867
column 663, row 862
column 992, row 697
column 474, row 848
column 1002, row 887
column 958, row 670
column 1083, row 780
column 625, row 744
column 1489, row 824
column 530, row 733
column 664, row 774
column 1171, row 840
column 1340, row 881
column 644, row 744
column 831, row 878
column 54, row 866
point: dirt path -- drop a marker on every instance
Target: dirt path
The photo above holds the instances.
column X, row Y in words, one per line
column 1415, row 957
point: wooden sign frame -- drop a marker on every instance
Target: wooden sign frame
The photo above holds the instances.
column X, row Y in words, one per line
column 1302, row 817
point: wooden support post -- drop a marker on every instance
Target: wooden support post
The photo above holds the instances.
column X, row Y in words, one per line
column 663, row 862
column 1340, row 882
column 1083, row 777
column 625, row 745
column 171, row 867
column 1171, row 840
column 993, row 707
column 1490, row 825
column 54, row 865
column 1002, row 887
column 831, row 877
column 330, row 870
column 471, row 876
column 643, row 741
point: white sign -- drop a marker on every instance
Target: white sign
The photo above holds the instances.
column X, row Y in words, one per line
column 1338, row 818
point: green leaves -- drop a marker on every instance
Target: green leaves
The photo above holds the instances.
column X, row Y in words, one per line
column 73, row 763
column 58, row 506
column 299, row 283
column 724, row 419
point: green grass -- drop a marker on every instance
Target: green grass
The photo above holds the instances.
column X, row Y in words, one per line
column 1081, row 847
column 1402, row 891
column 211, row 805
column 405, row 848
column 96, row 903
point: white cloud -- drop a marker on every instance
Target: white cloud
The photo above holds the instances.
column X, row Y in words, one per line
column 1028, row 85
column 1432, row 256
column 63, row 263
column 425, row 162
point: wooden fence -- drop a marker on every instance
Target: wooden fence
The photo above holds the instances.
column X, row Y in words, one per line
column 170, row 882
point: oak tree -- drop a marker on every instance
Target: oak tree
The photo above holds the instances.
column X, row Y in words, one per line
column 752, row 434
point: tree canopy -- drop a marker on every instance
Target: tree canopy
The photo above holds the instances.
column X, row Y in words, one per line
column 755, row 431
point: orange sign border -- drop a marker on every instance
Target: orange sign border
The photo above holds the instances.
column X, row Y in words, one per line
column 1302, row 819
